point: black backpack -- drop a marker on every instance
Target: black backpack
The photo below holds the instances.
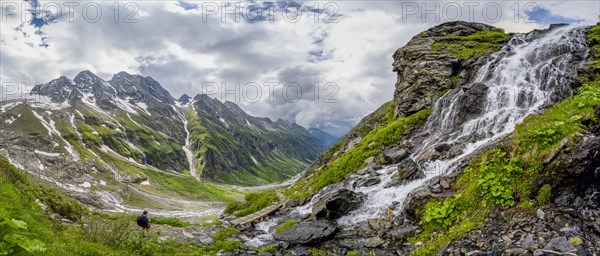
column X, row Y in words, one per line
column 142, row 221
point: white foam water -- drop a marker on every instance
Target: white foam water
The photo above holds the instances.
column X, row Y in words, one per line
column 267, row 236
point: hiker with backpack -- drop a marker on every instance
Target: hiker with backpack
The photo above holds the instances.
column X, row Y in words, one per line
column 144, row 220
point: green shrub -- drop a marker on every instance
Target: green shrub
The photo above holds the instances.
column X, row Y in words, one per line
column 225, row 246
column 121, row 235
column 544, row 194
column 66, row 207
column 317, row 252
column 593, row 36
column 13, row 242
column 10, row 174
column 173, row 222
column 497, row 178
column 225, row 233
column 285, row 226
column 475, row 44
column 496, row 189
column 352, row 253
column 253, row 202
column 444, row 213
column 447, row 90
column 223, row 241
column 193, row 188
column 269, row 248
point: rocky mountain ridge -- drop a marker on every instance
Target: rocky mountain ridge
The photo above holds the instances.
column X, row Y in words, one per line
column 123, row 143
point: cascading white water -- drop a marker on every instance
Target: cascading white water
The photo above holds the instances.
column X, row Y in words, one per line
column 187, row 148
column 520, row 79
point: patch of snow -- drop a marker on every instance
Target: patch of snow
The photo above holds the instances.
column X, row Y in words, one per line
column 72, row 119
column 143, row 106
column 102, row 182
column 44, row 123
column 45, row 103
column 90, row 102
column 86, row 185
column 145, row 183
column 68, row 145
column 109, row 150
column 80, row 115
column 52, row 129
column 187, row 105
column 7, row 106
column 53, row 126
column 10, row 120
column 69, row 187
column 131, row 145
column 136, row 123
column 224, row 122
column 116, row 174
column 254, row 159
column 46, row 153
column 125, row 105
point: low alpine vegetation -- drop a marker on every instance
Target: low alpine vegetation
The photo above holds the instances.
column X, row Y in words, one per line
column 475, row 44
column 388, row 133
column 285, row 226
column 253, row 202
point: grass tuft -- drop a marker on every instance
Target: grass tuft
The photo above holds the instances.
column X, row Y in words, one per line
column 253, row 202
column 286, row 225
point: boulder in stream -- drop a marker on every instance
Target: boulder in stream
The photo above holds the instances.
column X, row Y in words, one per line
column 311, row 232
column 336, row 203
column 407, row 170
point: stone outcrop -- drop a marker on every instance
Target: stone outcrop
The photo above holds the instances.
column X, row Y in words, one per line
column 423, row 73
column 336, row 203
column 307, row 233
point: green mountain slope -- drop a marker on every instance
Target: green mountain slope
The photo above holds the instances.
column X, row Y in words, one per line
column 233, row 147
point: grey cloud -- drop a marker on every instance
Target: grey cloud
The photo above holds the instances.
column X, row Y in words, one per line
column 243, row 53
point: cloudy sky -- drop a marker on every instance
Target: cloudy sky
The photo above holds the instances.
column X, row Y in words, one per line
column 322, row 64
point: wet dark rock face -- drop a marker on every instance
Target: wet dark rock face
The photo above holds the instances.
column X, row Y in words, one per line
column 407, row 170
column 471, row 102
column 336, row 203
column 310, row 232
column 424, row 73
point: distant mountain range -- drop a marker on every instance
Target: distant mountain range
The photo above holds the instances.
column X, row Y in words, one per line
column 324, row 137
column 131, row 118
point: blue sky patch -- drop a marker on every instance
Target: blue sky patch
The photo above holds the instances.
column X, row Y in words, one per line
column 187, row 6
column 545, row 17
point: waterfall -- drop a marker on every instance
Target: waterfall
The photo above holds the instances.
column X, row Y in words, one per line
column 529, row 72
column 189, row 155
